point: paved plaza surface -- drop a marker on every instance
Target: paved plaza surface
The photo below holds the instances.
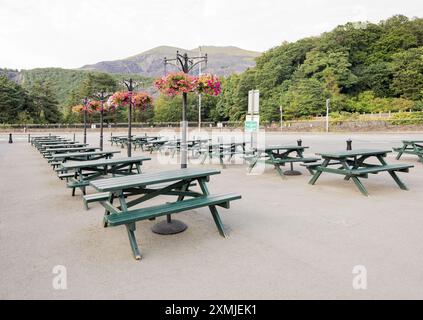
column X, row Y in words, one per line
column 287, row 239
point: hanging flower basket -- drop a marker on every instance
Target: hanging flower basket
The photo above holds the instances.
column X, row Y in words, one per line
column 208, row 84
column 179, row 82
column 94, row 105
column 176, row 83
column 81, row 108
column 140, row 100
column 120, row 99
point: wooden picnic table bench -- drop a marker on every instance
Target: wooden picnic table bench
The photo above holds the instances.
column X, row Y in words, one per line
column 414, row 147
column 279, row 155
column 147, row 186
column 38, row 143
column 81, row 156
column 41, row 138
column 352, row 165
column 193, row 145
column 82, row 172
column 122, row 140
column 54, row 151
column 142, row 141
column 229, row 149
column 70, row 144
column 155, row 145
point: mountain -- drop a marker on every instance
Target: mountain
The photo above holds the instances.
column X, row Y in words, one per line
column 222, row 61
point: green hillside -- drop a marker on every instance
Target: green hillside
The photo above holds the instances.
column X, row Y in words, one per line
column 361, row 67
column 64, row 81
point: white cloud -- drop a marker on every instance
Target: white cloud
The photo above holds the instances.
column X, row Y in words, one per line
column 71, row 33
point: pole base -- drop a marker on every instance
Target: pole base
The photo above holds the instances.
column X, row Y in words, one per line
column 166, row 228
column 292, row 173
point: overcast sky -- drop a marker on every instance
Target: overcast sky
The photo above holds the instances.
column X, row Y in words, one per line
column 71, row 33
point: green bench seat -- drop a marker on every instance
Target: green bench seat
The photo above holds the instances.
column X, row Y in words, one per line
column 73, row 183
column 95, row 197
column 132, row 216
column 312, row 166
column 290, row 160
column 377, row 169
column 68, row 175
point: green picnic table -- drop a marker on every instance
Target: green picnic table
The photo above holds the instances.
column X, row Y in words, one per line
column 54, row 151
column 80, row 173
column 352, row 165
column 221, row 150
column 44, row 138
column 81, row 156
column 279, row 155
column 193, row 145
column 414, row 147
column 147, row 186
column 155, row 145
column 141, row 141
column 70, row 144
column 39, row 143
column 122, row 140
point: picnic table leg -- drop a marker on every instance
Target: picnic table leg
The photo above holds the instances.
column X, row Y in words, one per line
column 356, row 165
column 356, row 181
column 277, row 166
column 418, row 151
column 204, row 158
column 401, row 151
column 130, row 228
column 393, row 175
column 106, row 212
column 213, row 210
column 221, row 158
column 317, row 174
column 252, row 164
column 360, row 186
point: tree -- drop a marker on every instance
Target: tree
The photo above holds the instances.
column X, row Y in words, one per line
column 408, row 74
column 169, row 109
column 13, row 101
column 305, row 97
column 44, row 105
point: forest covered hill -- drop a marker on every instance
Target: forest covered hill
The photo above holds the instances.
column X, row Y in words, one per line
column 360, row 67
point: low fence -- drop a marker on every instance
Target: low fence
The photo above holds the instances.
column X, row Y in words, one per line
column 316, row 125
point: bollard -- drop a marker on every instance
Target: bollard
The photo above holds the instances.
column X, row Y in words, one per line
column 29, row 137
column 74, row 137
column 299, row 142
column 349, row 144
column 10, row 138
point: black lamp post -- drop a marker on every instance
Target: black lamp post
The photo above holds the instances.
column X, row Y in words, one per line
column 85, row 103
column 185, row 64
column 130, row 85
column 102, row 96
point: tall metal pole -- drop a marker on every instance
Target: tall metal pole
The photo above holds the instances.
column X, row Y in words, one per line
column 101, row 122
column 199, row 97
column 130, row 86
column 184, row 149
column 327, row 114
column 85, row 126
column 130, row 121
column 281, row 110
